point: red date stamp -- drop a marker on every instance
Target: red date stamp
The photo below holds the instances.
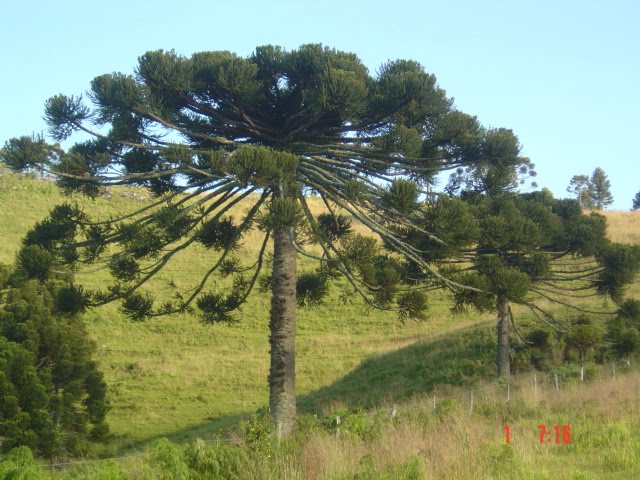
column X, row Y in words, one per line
column 560, row 433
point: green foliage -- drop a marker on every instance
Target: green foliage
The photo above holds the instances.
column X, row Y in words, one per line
column 585, row 235
column 284, row 213
column 497, row 168
column 630, row 310
column 34, row 262
column 216, row 459
column 25, row 153
column 56, row 234
column 503, row 280
column 334, row 227
column 623, row 331
column 256, row 432
column 636, row 202
column 137, row 306
column 54, row 397
column 170, row 459
column 543, row 350
column 70, row 300
column 402, row 140
column 220, row 234
column 412, row 305
column 475, row 297
column 63, row 114
column 621, row 264
column 311, row 289
column 446, row 408
column 584, row 336
column 287, row 123
column 216, row 308
column 452, row 221
column 24, row 416
column 261, row 166
column 520, row 248
column 19, row 464
column 402, row 196
column 124, row 269
column 352, row 423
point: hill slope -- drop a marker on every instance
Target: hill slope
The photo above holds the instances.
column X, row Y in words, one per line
column 174, row 376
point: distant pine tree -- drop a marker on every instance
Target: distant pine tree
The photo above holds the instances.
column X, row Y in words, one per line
column 601, row 186
column 636, row 202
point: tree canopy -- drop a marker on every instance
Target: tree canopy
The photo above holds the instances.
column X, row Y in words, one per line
column 520, row 248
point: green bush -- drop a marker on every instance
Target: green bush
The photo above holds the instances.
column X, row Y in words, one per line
column 257, row 433
column 168, row 461
column 19, row 464
column 216, row 460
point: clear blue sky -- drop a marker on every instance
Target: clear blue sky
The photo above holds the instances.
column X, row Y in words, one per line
column 563, row 74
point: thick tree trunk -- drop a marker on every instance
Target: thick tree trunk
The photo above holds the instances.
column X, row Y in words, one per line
column 504, row 351
column 282, row 374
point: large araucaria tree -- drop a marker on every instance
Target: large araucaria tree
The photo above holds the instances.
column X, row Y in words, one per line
column 206, row 132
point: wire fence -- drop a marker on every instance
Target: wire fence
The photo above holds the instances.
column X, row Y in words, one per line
column 468, row 399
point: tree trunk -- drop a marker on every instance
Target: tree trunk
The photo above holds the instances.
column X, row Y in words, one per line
column 504, row 351
column 282, row 374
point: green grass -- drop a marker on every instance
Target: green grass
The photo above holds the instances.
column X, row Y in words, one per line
column 451, row 442
column 175, row 377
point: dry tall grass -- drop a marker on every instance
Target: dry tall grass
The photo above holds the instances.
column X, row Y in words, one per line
column 624, row 227
column 460, row 443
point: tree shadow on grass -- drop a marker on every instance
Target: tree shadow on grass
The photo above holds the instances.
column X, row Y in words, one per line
column 211, row 430
column 453, row 359
column 457, row 359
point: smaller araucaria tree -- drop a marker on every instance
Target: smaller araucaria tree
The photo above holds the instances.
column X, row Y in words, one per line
column 636, row 202
column 521, row 248
column 585, row 335
column 623, row 331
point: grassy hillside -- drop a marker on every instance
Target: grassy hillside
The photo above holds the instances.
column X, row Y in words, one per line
column 175, row 377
